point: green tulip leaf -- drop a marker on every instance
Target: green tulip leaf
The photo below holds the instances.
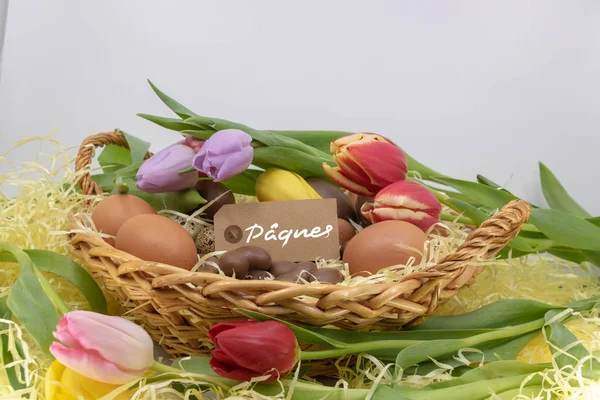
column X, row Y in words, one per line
column 114, row 157
column 468, row 210
column 444, row 348
column 566, row 230
column 320, row 140
column 422, row 170
column 557, row 196
column 488, row 182
column 592, row 257
column 63, row 266
column 29, row 302
column 572, row 255
column 176, row 107
column 244, row 183
column 293, row 160
column 137, row 147
column 594, row 220
column 495, row 315
column 200, row 134
column 492, row 370
column 13, row 373
column 567, row 350
column 479, row 193
column 496, row 350
column 302, row 334
column 168, row 123
column 267, row 138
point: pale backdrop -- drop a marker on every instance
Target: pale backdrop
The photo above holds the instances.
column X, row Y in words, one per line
column 466, row 86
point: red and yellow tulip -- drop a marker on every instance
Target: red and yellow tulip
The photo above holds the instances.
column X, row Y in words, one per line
column 404, row 201
column 366, row 163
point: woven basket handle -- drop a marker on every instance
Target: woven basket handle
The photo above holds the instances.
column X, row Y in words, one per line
column 490, row 237
column 86, row 154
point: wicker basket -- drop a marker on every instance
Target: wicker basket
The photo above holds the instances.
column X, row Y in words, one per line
column 177, row 307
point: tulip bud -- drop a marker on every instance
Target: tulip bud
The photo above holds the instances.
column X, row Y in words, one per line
column 404, row 201
column 250, row 349
column 366, row 163
column 279, row 185
column 225, row 154
column 65, row 384
column 104, row 348
column 160, row 173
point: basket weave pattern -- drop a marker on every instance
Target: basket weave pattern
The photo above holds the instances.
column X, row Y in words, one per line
column 177, row 307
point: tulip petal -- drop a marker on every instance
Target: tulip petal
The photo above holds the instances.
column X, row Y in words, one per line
column 114, row 339
column 277, row 184
column 215, row 330
column 160, row 173
column 418, row 218
column 353, row 171
column 92, row 366
column 222, row 364
column 236, row 164
column 335, row 174
column 383, row 162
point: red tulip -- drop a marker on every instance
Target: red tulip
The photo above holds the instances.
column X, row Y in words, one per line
column 366, row 163
column 404, row 201
column 249, row 349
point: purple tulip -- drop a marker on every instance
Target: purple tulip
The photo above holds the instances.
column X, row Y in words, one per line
column 160, row 173
column 225, row 154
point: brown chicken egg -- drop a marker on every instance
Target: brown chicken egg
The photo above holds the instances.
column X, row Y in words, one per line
column 111, row 212
column 376, row 247
column 153, row 237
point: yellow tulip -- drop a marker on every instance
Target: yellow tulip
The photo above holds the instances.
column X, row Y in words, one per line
column 63, row 383
column 279, row 185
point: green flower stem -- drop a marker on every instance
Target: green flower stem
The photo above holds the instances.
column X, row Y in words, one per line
column 58, row 302
column 366, row 347
column 162, row 368
column 456, row 218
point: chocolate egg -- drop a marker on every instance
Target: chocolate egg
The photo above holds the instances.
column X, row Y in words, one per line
column 345, row 230
column 233, row 262
column 258, row 258
column 153, row 237
column 259, row 274
column 208, row 265
column 282, row 267
column 328, row 190
column 210, row 190
column 306, row 266
column 114, row 210
column 376, row 246
column 208, row 269
column 328, row 275
column 291, row 277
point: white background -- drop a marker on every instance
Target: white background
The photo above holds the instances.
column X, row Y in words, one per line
column 465, row 86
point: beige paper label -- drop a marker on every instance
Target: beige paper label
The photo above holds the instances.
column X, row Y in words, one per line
column 296, row 230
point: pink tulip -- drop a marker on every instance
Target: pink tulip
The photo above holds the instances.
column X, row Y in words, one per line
column 103, row 348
